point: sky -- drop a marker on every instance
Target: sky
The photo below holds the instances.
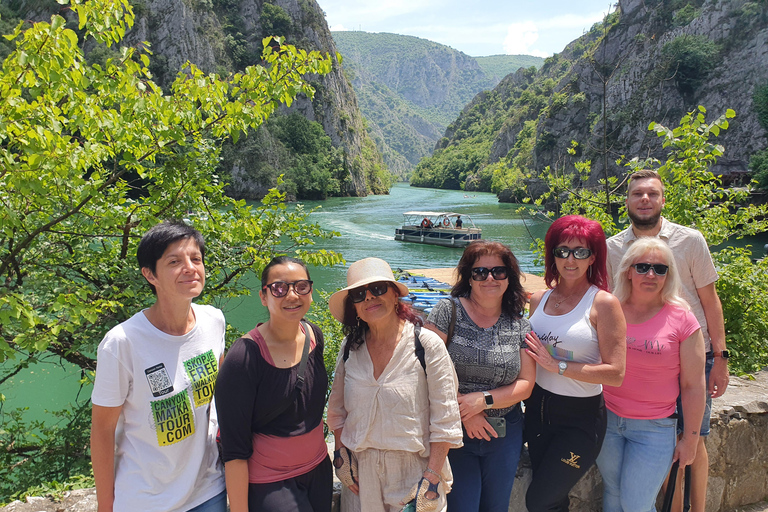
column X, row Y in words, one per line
column 477, row 28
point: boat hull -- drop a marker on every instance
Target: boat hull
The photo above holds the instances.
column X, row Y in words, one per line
column 443, row 237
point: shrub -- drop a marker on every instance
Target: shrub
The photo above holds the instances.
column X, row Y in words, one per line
column 690, row 58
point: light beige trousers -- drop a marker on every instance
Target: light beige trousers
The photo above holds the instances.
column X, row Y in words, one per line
column 385, row 478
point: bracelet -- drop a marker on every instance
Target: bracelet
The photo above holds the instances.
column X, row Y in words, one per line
column 430, row 470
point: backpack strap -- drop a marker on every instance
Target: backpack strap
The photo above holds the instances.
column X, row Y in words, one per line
column 419, row 348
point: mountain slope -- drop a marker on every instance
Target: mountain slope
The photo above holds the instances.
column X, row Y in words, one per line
column 410, row 89
column 649, row 61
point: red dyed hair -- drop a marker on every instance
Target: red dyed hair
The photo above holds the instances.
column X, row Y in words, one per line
column 573, row 227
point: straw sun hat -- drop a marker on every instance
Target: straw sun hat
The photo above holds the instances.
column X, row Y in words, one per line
column 361, row 273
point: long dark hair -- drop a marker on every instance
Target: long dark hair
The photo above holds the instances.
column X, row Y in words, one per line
column 514, row 299
column 354, row 328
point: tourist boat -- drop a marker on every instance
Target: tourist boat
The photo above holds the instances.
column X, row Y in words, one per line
column 438, row 228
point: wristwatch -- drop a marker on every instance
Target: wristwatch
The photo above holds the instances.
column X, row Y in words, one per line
column 725, row 354
column 488, row 399
column 562, row 365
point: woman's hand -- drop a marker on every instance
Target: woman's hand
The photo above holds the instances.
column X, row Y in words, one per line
column 478, row 428
column 471, row 404
column 685, row 450
column 539, row 353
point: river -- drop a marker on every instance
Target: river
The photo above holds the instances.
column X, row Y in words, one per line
column 367, row 227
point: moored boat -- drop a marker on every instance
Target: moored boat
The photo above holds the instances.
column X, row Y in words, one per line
column 449, row 229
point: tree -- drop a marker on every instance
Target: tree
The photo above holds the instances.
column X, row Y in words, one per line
column 92, row 156
column 695, row 198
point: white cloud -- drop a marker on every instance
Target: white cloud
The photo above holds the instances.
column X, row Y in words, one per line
column 520, row 38
column 571, row 21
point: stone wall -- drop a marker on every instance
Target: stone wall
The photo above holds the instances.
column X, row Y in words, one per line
column 737, row 447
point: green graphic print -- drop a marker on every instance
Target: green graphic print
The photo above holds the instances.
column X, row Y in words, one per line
column 174, row 418
column 202, row 371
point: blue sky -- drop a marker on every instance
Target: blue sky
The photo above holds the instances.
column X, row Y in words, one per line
column 477, row 28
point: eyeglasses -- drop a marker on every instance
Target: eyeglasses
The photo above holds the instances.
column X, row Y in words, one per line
column 658, row 268
column 376, row 289
column 281, row 288
column 481, row 273
column 580, row 253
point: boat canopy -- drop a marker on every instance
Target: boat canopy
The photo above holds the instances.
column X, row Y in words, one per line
column 435, row 214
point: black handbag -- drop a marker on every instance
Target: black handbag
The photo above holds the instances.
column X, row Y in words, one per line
column 667, row 506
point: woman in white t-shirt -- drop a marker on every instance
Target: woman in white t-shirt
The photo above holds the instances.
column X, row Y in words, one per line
column 665, row 358
column 578, row 343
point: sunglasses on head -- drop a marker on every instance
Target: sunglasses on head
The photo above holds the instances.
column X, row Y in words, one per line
column 658, row 268
column 481, row 273
column 376, row 289
column 580, row 253
column 281, row 288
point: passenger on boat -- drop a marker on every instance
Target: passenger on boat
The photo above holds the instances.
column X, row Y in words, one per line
column 459, row 223
column 393, row 408
column 426, row 223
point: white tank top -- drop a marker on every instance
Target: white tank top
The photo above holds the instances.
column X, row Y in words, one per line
column 569, row 337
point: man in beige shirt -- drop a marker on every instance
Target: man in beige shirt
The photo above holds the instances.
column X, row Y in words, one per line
column 645, row 199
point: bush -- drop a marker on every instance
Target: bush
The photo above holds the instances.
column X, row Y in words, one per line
column 758, row 164
column 690, row 58
column 760, row 101
column 275, row 21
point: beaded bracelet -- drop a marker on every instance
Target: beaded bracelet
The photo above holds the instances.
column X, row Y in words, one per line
column 430, row 470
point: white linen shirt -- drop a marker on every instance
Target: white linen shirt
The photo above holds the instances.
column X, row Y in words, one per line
column 405, row 408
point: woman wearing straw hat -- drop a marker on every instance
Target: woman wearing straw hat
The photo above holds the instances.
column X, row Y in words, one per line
column 393, row 408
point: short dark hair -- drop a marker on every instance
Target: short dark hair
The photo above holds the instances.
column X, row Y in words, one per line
column 281, row 260
column 514, row 298
column 155, row 242
column 571, row 227
column 644, row 174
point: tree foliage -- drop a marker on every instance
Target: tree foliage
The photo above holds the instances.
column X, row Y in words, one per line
column 695, row 198
column 92, row 156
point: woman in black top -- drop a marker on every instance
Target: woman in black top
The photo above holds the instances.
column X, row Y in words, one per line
column 272, row 439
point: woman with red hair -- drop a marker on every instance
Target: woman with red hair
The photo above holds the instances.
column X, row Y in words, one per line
column 578, row 341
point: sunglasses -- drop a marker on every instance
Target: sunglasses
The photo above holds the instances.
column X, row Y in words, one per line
column 377, row 289
column 658, row 268
column 481, row 273
column 580, row 253
column 281, row 288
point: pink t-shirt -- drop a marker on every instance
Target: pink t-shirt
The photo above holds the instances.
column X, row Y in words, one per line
column 280, row 458
column 651, row 382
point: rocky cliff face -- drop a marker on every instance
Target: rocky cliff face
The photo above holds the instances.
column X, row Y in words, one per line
column 202, row 32
column 659, row 61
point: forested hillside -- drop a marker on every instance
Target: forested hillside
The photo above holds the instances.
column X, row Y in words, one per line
column 410, row 89
column 328, row 152
column 648, row 61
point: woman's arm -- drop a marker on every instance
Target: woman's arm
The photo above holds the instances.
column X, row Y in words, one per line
column 104, row 421
column 236, row 476
column 472, row 404
column 437, row 454
column 692, row 395
column 535, row 300
column 611, row 329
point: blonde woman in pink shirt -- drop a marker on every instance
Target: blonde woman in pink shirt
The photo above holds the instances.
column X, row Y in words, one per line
column 665, row 358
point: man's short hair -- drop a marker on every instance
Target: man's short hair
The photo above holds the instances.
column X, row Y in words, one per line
column 644, row 174
column 155, row 242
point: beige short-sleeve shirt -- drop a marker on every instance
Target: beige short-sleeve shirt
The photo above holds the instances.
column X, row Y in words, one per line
column 694, row 262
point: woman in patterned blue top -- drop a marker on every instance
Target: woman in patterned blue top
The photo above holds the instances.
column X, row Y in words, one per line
column 495, row 374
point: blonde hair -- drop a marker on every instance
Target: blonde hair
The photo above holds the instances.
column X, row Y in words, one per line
column 670, row 292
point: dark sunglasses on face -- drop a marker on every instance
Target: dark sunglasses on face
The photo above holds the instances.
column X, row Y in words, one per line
column 376, row 289
column 481, row 273
column 658, row 268
column 580, row 253
column 281, row 288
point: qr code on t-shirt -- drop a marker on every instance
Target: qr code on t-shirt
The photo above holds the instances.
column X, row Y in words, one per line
column 159, row 381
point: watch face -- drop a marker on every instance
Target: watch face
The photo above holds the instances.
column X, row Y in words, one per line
column 488, row 399
column 725, row 354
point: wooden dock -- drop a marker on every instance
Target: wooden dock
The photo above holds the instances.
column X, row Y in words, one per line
column 531, row 283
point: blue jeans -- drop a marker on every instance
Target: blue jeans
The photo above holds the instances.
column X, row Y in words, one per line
column 484, row 471
column 634, row 460
column 216, row 504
